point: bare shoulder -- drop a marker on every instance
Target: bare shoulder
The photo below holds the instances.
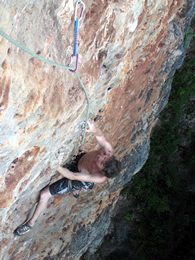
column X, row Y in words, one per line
column 107, row 150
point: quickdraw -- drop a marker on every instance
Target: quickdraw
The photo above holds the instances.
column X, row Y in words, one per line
column 76, row 32
column 69, row 67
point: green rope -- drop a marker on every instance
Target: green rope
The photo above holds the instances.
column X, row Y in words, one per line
column 88, row 101
column 10, row 39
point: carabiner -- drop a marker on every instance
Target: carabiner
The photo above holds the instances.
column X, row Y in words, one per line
column 82, row 10
column 77, row 61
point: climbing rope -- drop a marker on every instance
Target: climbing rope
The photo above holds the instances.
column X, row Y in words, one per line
column 22, row 47
column 75, row 52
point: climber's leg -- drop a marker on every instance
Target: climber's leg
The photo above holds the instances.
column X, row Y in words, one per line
column 41, row 206
column 45, row 195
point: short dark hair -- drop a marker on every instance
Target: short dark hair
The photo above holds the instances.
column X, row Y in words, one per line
column 112, row 168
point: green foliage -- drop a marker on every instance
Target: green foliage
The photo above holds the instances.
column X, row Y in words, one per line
column 158, row 193
column 190, row 34
column 183, row 88
column 129, row 217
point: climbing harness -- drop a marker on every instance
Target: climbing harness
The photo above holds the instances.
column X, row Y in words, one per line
column 75, row 53
column 76, row 32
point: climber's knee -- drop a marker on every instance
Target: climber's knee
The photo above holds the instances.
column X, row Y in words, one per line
column 45, row 194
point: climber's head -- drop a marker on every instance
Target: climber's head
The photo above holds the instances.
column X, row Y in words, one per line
column 112, row 167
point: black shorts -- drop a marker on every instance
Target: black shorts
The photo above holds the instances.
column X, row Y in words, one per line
column 65, row 185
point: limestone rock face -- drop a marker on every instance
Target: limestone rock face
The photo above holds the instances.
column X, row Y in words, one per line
column 128, row 53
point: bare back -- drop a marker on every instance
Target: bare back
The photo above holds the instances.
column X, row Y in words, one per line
column 90, row 162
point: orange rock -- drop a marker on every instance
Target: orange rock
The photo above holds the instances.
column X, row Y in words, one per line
column 128, row 51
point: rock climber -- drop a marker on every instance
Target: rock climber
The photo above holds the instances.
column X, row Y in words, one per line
column 87, row 169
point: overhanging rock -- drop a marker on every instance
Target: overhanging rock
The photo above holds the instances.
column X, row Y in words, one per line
column 129, row 51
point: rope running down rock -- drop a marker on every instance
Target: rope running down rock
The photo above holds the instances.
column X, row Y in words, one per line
column 10, row 39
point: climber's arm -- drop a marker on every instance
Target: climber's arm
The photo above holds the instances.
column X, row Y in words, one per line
column 81, row 176
column 100, row 138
